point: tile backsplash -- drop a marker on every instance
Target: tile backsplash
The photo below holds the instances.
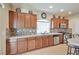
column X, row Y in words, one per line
column 25, row 31
column 20, row 31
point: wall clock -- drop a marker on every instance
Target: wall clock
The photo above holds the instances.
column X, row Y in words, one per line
column 44, row 15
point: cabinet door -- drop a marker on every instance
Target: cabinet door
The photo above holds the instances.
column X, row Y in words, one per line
column 45, row 41
column 51, row 40
column 12, row 19
column 11, row 47
column 20, row 20
column 31, row 43
column 61, row 39
column 56, row 23
column 66, row 22
column 38, row 42
column 22, row 45
column 33, row 21
column 27, row 21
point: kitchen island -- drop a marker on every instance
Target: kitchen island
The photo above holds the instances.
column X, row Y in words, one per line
column 25, row 43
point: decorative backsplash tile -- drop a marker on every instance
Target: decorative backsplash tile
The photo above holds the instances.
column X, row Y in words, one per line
column 69, row 30
column 18, row 32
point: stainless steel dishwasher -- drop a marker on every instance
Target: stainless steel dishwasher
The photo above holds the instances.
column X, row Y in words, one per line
column 56, row 39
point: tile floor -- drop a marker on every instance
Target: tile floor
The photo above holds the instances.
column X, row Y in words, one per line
column 52, row 50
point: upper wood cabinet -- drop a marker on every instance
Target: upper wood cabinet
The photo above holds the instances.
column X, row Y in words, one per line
column 56, row 22
column 27, row 21
column 12, row 19
column 33, row 21
column 22, row 20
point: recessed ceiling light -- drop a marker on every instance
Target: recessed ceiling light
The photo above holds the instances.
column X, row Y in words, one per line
column 50, row 6
column 69, row 12
column 61, row 10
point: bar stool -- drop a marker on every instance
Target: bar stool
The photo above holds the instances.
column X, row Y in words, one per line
column 76, row 49
column 71, row 46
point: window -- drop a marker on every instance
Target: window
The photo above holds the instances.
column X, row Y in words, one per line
column 43, row 26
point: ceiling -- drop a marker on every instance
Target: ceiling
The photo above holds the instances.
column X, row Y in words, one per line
column 72, row 7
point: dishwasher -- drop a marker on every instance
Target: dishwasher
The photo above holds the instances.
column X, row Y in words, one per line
column 56, row 39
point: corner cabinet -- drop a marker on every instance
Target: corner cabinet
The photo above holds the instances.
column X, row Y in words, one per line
column 11, row 46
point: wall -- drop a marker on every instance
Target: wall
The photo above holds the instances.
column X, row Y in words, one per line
column 3, row 26
column 74, row 23
column 27, row 7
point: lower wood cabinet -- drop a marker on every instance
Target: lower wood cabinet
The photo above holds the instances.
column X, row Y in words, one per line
column 15, row 46
column 44, row 41
column 51, row 40
column 11, row 46
column 31, row 43
column 38, row 43
column 22, row 45
column 61, row 39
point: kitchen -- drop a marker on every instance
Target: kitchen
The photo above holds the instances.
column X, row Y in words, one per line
column 30, row 28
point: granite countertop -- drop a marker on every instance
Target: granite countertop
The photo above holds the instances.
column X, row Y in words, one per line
column 26, row 36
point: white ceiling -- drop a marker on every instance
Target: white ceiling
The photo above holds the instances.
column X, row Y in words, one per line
column 73, row 7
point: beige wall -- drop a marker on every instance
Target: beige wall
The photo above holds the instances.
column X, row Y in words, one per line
column 74, row 23
column 3, row 26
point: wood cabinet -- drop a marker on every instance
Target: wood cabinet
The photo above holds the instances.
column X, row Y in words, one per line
column 56, row 22
column 11, row 46
column 61, row 39
column 51, row 40
column 31, row 43
column 38, row 43
column 33, row 21
column 13, row 19
column 16, row 20
column 22, row 45
column 15, row 46
column 27, row 21
column 44, row 41
column 22, row 20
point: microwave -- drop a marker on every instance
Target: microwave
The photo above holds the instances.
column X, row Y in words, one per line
column 62, row 25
